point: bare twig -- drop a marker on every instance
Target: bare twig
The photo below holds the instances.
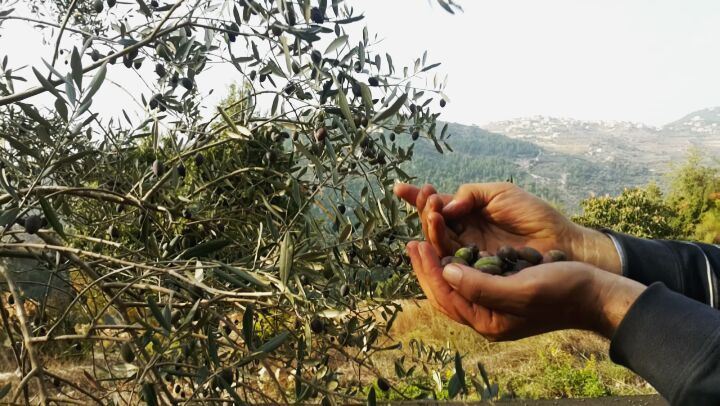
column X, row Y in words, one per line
column 98, row 194
column 77, row 387
column 70, row 10
column 16, row 97
column 37, row 368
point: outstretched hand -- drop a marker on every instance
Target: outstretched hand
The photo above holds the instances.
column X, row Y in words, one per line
column 536, row 300
column 491, row 215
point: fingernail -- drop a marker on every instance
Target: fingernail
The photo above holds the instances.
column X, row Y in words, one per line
column 451, row 205
column 452, row 274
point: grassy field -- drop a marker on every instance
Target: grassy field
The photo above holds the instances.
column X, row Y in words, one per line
column 567, row 364
column 555, row 365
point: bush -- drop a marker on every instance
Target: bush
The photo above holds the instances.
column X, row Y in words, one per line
column 639, row 211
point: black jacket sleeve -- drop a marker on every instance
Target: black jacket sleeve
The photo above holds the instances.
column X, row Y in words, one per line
column 691, row 269
column 671, row 334
column 674, row 343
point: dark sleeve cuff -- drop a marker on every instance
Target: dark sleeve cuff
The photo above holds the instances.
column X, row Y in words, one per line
column 679, row 266
column 674, row 343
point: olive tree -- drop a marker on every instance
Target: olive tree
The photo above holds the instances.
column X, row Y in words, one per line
column 245, row 252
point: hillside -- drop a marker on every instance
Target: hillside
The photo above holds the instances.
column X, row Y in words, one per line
column 566, row 160
column 481, row 156
column 653, row 148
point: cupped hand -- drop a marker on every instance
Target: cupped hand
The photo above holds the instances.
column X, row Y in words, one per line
column 536, row 300
column 491, row 215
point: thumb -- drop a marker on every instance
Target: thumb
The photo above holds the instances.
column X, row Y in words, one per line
column 486, row 290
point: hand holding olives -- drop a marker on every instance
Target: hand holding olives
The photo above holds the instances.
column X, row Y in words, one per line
column 507, row 261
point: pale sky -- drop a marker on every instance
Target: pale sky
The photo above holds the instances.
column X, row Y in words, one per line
column 636, row 60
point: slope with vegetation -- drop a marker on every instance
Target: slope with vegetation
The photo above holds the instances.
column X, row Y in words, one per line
column 477, row 155
column 689, row 209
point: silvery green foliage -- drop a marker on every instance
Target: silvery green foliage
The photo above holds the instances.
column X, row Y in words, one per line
column 250, row 251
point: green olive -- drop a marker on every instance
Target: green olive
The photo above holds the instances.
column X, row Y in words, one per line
column 453, row 260
column 466, row 254
column 493, row 261
column 489, row 269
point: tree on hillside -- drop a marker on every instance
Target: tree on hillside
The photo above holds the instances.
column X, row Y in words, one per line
column 640, row 212
column 692, row 188
column 249, row 255
column 708, row 228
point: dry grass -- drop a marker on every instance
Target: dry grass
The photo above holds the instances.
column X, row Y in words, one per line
column 561, row 364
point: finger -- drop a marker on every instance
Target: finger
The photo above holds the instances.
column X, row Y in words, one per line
column 440, row 236
column 472, row 196
column 486, row 322
column 446, row 198
column 425, row 192
column 433, row 204
column 407, row 192
column 492, row 291
column 417, row 265
column 433, row 273
column 498, row 326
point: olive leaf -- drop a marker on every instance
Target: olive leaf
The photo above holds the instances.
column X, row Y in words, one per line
column 244, row 275
column 9, row 216
column 96, row 82
column 61, row 108
column 158, row 314
column 390, row 111
column 371, row 397
column 5, row 389
column 229, row 278
column 226, row 385
column 51, row 216
column 429, row 67
column 287, row 251
column 248, row 326
column 366, row 95
column 275, row 342
column 149, row 395
column 77, row 69
column 204, row 249
column 336, row 43
column 345, row 108
column 45, row 83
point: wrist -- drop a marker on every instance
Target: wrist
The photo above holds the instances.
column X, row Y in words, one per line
column 615, row 295
column 596, row 248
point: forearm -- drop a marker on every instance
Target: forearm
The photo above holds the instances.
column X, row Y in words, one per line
column 615, row 296
column 595, row 248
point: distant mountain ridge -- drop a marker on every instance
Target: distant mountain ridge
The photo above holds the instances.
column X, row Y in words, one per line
column 622, row 141
column 481, row 156
column 701, row 122
column 566, row 160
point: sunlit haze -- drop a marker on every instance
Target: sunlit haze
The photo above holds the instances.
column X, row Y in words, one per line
column 646, row 61
column 642, row 60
